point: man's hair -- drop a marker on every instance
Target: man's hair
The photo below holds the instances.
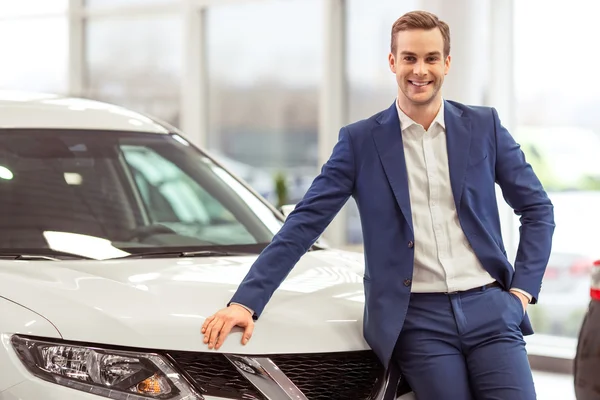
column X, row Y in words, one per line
column 421, row 20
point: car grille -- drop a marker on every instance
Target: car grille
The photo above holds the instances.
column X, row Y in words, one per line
column 326, row 376
column 343, row 376
column 214, row 375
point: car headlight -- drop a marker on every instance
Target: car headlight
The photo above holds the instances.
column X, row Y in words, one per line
column 116, row 374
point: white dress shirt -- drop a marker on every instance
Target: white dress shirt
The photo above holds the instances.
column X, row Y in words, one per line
column 444, row 260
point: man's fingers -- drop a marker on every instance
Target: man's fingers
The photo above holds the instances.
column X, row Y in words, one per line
column 224, row 332
column 248, row 332
column 209, row 328
column 214, row 333
column 205, row 325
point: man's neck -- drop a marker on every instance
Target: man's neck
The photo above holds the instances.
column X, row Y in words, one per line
column 422, row 114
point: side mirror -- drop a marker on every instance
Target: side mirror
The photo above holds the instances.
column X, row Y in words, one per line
column 286, row 209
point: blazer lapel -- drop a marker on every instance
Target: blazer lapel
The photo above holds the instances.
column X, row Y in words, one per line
column 388, row 142
column 458, row 143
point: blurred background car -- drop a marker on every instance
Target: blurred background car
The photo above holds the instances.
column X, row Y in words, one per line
column 587, row 358
column 572, row 185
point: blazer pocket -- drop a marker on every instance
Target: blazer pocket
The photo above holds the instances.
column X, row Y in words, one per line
column 477, row 161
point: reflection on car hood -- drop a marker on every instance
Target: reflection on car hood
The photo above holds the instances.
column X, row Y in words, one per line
column 162, row 303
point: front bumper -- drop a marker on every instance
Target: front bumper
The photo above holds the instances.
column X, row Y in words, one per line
column 25, row 386
column 36, row 389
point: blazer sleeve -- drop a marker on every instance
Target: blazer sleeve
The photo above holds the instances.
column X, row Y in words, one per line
column 524, row 193
column 327, row 194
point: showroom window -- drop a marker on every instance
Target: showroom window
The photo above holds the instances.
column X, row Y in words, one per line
column 34, row 45
column 559, row 129
column 99, row 4
column 265, row 66
column 135, row 61
column 371, row 85
column 33, row 7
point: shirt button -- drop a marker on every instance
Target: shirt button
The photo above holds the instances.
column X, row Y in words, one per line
column 407, row 282
column 411, row 244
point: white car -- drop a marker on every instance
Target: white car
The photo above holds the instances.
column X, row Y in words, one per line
column 118, row 238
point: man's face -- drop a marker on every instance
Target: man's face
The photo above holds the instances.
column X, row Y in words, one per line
column 419, row 65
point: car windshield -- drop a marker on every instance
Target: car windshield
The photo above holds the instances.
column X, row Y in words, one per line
column 104, row 194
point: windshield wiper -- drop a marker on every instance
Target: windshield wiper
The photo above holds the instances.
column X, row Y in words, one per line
column 55, row 256
column 199, row 253
column 35, row 257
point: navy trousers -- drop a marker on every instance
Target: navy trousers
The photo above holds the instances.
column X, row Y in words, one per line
column 465, row 346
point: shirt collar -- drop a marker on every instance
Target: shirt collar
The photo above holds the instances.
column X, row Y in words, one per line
column 406, row 121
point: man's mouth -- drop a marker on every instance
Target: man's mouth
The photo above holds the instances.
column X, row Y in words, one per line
column 420, row 84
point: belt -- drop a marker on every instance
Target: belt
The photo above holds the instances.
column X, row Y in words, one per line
column 477, row 289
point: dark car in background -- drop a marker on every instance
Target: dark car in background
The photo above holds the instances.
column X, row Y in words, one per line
column 587, row 358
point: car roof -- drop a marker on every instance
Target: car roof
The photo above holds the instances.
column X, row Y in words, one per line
column 22, row 110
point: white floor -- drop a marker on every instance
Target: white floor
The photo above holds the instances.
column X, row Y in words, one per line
column 553, row 386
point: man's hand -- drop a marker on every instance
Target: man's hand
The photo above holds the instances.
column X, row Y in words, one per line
column 217, row 326
column 522, row 297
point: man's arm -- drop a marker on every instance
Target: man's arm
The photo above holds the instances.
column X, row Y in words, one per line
column 328, row 193
column 523, row 191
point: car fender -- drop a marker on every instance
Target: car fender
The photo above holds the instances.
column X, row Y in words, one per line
column 16, row 319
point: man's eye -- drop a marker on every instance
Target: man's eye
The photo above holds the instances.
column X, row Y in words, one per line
column 433, row 59
column 409, row 59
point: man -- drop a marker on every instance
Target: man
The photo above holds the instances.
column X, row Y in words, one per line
column 443, row 303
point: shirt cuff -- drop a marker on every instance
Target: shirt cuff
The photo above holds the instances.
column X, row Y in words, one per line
column 529, row 297
column 247, row 308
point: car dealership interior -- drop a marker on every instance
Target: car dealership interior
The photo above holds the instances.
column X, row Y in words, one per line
column 264, row 86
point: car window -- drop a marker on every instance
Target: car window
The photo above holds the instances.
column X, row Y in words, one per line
column 124, row 192
column 174, row 199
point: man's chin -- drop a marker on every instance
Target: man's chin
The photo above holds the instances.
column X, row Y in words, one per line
column 421, row 100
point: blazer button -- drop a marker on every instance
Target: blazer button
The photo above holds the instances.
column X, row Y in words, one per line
column 407, row 282
column 411, row 244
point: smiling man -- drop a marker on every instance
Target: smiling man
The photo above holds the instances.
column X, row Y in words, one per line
column 443, row 304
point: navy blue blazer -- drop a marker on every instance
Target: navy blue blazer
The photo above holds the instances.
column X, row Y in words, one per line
column 368, row 163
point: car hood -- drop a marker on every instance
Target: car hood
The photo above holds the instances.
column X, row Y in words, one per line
column 162, row 303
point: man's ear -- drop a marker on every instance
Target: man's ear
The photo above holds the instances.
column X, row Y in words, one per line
column 392, row 62
column 447, row 64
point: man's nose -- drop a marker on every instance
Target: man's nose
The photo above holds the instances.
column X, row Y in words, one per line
column 420, row 68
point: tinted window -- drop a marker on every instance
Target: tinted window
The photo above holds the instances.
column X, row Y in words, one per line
column 68, row 190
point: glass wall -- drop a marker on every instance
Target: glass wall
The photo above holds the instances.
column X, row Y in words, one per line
column 371, row 85
column 33, row 7
column 34, row 45
column 135, row 61
column 265, row 64
column 98, row 4
column 558, row 127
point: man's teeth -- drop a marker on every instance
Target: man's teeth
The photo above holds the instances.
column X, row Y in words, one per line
column 420, row 83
